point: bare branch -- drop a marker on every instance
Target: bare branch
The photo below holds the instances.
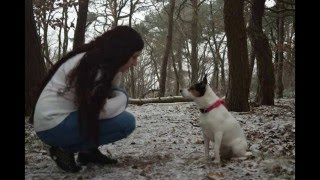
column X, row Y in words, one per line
column 201, row 3
column 180, row 8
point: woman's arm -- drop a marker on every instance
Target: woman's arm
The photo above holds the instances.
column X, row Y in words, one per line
column 115, row 105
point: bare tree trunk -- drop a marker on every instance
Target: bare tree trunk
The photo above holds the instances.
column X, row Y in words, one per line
column 141, row 85
column 43, row 17
column 275, row 67
column 45, row 10
column 289, row 65
column 65, row 27
column 279, row 86
column 45, row 46
column 218, row 58
column 131, row 13
column 59, row 42
column 34, row 61
column 155, row 65
column 79, row 34
column 176, row 73
column 202, row 60
column 194, row 43
column 133, row 83
column 274, row 41
column 238, row 91
column 215, row 76
column 167, row 50
column 179, row 61
column 262, row 50
column 223, row 77
column 114, row 13
column 251, row 62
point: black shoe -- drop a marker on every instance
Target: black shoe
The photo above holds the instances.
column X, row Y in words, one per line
column 64, row 160
column 95, row 156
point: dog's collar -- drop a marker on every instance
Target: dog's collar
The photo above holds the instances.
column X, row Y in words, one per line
column 214, row 105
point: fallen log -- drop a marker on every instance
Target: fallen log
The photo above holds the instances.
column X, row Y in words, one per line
column 169, row 99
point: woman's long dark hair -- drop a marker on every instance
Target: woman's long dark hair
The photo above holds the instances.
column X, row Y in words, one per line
column 106, row 54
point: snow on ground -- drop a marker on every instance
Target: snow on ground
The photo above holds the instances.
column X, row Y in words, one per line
column 168, row 144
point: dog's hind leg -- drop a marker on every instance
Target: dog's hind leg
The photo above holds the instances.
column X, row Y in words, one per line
column 239, row 147
column 206, row 145
column 216, row 146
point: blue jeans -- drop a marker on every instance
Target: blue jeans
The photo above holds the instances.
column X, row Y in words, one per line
column 66, row 135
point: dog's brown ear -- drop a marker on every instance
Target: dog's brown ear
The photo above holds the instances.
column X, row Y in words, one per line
column 205, row 79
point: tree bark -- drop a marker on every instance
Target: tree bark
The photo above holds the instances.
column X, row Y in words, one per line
column 262, row 51
column 215, row 77
column 238, row 90
column 163, row 75
column 59, row 42
column 251, row 61
column 179, row 60
column 79, row 34
column 194, row 42
column 223, row 77
column 34, row 61
column 43, row 17
column 176, row 73
column 279, row 85
column 65, row 28
column 132, row 79
column 114, row 13
column 45, row 47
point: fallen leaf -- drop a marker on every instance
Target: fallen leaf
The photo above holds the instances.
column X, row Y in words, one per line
column 215, row 175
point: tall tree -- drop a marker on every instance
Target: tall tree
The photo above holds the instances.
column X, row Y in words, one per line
column 43, row 12
column 163, row 75
column 79, row 34
column 223, row 76
column 117, row 6
column 132, row 81
column 60, row 25
column 176, row 56
column 279, row 65
column 239, row 82
column 262, row 51
column 65, row 27
column 194, row 42
column 34, row 61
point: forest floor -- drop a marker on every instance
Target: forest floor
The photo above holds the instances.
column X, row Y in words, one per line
column 167, row 144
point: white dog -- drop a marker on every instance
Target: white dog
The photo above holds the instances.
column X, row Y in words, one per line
column 217, row 123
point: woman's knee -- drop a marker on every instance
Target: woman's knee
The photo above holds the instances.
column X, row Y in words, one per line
column 128, row 122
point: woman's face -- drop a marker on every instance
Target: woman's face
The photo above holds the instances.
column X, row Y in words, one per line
column 132, row 62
